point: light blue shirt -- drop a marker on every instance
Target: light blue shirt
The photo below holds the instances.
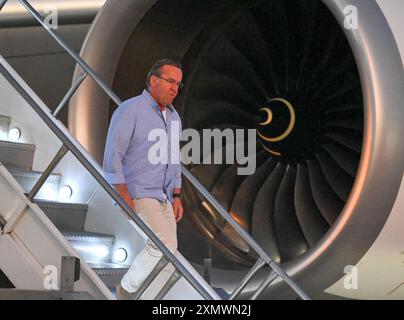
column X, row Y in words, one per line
column 127, row 149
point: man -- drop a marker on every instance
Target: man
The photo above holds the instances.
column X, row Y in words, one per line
column 152, row 190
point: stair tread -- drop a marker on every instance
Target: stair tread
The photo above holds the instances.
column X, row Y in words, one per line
column 87, row 236
column 108, row 269
column 106, row 265
column 16, row 154
column 21, row 172
column 67, row 217
column 61, row 205
column 17, row 145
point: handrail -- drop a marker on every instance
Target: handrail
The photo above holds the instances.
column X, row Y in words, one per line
column 246, row 237
column 113, row 193
column 76, row 57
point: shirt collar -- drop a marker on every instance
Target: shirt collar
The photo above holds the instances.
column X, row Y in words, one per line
column 154, row 104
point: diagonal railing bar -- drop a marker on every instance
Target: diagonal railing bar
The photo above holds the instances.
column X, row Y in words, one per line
column 2, row 3
column 71, row 52
column 267, row 281
column 253, row 244
column 2, row 223
column 70, row 93
column 152, row 275
column 257, row 266
column 56, row 159
column 175, row 276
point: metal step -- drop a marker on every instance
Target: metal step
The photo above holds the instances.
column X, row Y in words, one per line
column 109, row 273
column 28, row 178
column 4, row 127
column 66, row 216
column 91, row 247
column 17, row 154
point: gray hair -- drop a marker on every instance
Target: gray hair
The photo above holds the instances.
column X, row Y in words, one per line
column 155, row 70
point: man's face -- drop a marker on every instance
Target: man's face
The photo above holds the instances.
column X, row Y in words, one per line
column 162, row 90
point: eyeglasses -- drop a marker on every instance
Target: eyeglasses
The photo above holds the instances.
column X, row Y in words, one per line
column 180, row 85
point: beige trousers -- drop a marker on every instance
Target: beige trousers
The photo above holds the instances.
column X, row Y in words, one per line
column 160, row 218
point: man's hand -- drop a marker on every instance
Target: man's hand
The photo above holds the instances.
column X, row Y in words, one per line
column 123, row 191
column 178, row 209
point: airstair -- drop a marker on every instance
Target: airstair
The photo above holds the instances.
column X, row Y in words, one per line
column 55, row 203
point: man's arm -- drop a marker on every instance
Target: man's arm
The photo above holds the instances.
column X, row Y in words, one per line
column 118, row 140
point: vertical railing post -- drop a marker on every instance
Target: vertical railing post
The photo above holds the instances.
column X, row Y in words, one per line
column 77, row 58
column 59, row 155
column 69, row 93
